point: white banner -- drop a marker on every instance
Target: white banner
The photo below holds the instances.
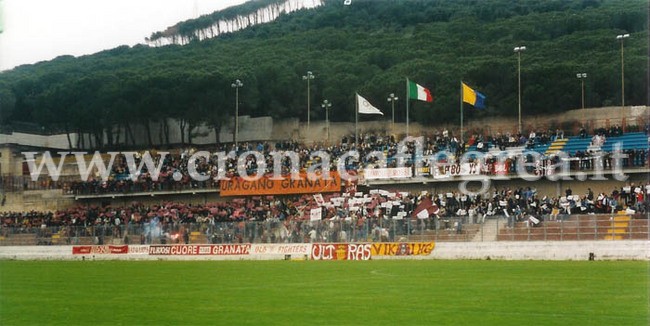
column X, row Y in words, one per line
column 281, row 249
column 337, row 201
column 387, row 173
column 138, row 250
column 455, row 170
column 315, row 214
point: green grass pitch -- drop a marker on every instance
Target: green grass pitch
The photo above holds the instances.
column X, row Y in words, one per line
column 398, row 292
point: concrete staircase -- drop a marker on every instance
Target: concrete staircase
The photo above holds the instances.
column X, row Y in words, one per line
column 489, row 230
column 198, row 237
column 556, row 146
column 20, row 239
column 619, row 229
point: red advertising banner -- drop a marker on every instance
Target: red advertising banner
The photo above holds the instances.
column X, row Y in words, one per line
column 82, row 250
column 195, row 250
column 100, row 250
column 402, row 248
column 501, row 168
column 268, row 186
column 118, row 249
column 341, row 251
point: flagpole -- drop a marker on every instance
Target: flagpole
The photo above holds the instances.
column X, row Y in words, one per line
column 461, row 111
column 356, row 119
column 407, row 106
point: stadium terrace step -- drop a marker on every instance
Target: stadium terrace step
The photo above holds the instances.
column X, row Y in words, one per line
column 621, row 227
column 556, row 146
column 56, row 239
column 541, row 148
column 27, row 239
column 198, row 237
column 634, row 140
column 592, row 227
column 488, row 231
column 622, row 218
column 575, row 144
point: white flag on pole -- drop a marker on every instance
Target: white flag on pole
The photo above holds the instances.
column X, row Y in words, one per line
column 365, row 107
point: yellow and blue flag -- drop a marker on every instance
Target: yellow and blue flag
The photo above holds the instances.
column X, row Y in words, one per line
column 473, row 97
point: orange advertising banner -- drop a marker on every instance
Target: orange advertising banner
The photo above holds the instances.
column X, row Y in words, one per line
column 402, row 248
column 286, row 186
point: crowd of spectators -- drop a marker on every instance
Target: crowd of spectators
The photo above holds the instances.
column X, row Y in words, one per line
column 506, row 140
column 345, row 217
column 174, row 174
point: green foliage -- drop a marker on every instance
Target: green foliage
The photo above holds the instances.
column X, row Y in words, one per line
column 369, row 47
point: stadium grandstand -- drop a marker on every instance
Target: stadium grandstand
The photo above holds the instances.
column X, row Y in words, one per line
column 406, row 190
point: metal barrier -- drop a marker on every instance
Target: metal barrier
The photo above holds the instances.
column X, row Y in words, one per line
column 268, row 231
column 581, row 227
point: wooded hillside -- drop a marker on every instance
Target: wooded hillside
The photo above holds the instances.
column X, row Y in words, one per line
column 368, row 47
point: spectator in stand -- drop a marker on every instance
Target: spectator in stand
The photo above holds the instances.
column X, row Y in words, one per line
column 583, row 132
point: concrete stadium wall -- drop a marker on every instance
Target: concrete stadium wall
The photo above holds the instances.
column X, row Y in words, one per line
column 65, row 253
column 543, row 250
column 267, row 129
column 506, row 250
column 37, row 200
column 59, row 141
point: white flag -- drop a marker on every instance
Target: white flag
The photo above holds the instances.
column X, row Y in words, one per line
column 423, row 214
column 319, row 199
column 315, row 214
column 365, row 107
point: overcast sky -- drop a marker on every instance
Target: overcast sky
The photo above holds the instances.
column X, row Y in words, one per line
column 37, row 30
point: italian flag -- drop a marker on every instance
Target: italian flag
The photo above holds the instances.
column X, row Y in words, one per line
column 417, row 92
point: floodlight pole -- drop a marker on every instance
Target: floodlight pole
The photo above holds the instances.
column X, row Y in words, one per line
column 308, row 77
column 327, row 105
column 582, row 76
column 237, row 85
column 392, row 98
column 518, row 50
column 622, row 37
